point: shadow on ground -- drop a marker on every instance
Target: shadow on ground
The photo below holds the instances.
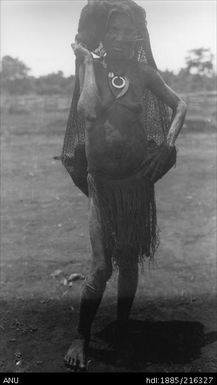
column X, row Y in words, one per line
column 175, row 342
column 41, row 331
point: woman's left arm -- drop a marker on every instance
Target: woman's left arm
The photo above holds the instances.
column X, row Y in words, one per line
column 157, row 85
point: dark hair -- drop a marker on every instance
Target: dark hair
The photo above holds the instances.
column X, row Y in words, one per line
column 95, row 15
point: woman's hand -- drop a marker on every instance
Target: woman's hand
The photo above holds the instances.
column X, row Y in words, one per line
column 177, row 123
column 80, row 51
column 171, row 137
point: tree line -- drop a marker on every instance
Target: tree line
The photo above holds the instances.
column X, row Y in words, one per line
column 197, row 75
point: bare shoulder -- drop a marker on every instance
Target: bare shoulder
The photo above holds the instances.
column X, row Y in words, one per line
column 149, row 74
column 146, row 68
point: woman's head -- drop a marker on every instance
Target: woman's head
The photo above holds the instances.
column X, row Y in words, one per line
column 100, row 19
column 120, row 35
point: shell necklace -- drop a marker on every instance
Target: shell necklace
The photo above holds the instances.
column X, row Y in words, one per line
column 117, row 80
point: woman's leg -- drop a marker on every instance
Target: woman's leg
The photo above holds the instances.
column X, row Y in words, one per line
column 92, row 293
column 127, row 286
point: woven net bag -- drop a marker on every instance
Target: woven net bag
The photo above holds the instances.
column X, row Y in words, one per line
column 156, row 118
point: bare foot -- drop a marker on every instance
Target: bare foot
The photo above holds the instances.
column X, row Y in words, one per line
column 75, row 358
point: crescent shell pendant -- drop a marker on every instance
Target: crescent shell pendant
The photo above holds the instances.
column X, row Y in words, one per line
column 121, row 85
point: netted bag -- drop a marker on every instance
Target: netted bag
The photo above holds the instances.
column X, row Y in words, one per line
column 155, row 115
column 156, row 118
column 73, row 153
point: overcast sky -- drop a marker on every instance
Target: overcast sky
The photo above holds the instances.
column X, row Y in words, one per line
column 39, row 32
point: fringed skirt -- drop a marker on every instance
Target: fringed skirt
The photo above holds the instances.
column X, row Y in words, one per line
column 127, row 213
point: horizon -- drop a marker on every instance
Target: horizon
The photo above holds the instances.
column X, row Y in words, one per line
column 47, row 49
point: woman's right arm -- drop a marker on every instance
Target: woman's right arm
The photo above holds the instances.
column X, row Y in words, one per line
column 89, row 101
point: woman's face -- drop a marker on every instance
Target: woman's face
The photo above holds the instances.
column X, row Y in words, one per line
column 119, row 40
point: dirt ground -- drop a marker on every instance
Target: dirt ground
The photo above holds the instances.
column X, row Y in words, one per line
column 45, row 239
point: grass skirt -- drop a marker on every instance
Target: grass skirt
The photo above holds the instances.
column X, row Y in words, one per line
column 127, row 212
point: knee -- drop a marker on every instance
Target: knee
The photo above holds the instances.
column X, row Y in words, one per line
column 99, row 277
column 103, row 273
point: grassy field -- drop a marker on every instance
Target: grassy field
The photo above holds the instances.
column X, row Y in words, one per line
column 45, row 238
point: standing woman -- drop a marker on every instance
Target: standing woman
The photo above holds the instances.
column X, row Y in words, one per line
column 119, row 141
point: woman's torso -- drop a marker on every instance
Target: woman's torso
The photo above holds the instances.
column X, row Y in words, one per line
column 116, row 141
